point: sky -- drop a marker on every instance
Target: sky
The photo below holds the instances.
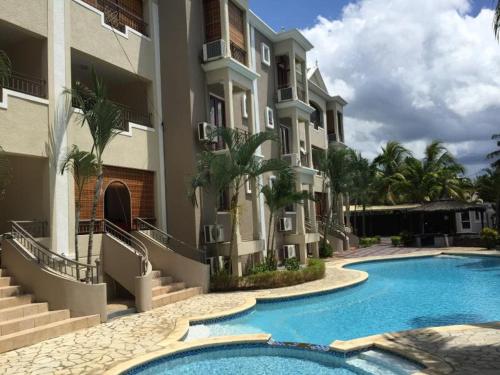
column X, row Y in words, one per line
column 412, row 71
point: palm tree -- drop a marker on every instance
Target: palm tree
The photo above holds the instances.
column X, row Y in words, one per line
column 83, row 167
column 229, row 171
column 363, row 184
column 389, row 165
column 496, row 21
column 488, row 187
column 103, row 118
column 495, row 154
column 279, row 195
column 337, row 166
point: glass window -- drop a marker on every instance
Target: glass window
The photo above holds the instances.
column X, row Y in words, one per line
column 266, row 54
column 285, row 140
column 465, row 220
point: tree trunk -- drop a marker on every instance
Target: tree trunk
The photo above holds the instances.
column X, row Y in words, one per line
column 498, row 214
column 234, row 223
column 355, row 218
column 97, row 193
column 364, row 220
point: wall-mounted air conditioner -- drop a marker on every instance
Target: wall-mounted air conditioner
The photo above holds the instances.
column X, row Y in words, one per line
column 289, row 251
column 214, row 233
column 293, row 160
column 285, row 94
column 285, row 224
column 205, row 131
column 214, row 50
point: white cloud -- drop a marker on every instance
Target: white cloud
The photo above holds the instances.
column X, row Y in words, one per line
column 413, row 71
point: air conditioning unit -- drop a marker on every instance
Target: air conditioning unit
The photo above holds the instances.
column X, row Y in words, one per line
column 289, row 251
column 216, row 264
column 205, row 131
column 214, row 233
column 285, row 94
column 214, row 50
column 285, row 224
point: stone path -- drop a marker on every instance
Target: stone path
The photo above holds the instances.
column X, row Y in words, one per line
column 97, row 349
column 382, row 249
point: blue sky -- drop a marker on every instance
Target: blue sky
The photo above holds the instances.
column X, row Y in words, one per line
column 303, row 13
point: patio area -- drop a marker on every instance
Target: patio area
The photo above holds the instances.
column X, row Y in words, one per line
column 466, row 349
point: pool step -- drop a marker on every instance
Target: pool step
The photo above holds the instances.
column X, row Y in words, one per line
column 377, row 362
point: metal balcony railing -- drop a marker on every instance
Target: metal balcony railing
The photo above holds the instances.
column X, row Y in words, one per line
column 238, row 53
column 25, row 84
column 119, row 16
column 25, row 233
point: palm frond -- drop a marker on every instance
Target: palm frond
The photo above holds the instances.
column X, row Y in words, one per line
column 496, row 21
column 81, row 164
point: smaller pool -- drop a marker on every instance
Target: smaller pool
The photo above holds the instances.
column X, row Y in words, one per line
column 275, row 359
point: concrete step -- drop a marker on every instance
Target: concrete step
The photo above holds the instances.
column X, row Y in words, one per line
column 3, row 272
column 15, row 301
column 32, row 321
column 156, row 274
column 5, row 280
column 158, row 290
column 162, row 281
column 22, row 311
column 48, row 331
column 10, row 291
column 173, row 297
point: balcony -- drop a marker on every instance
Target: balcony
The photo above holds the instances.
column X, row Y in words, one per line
column 26, row 85
column 118, row 15
column 239, row 54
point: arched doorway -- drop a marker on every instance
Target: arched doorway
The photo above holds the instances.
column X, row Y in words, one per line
column 117, row 205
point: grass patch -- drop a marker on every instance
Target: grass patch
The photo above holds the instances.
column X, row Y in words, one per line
column 224, row 282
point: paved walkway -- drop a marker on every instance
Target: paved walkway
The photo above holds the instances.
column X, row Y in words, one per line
column 97, row 349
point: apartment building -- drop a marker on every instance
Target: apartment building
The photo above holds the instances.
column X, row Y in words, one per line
column 230, row 69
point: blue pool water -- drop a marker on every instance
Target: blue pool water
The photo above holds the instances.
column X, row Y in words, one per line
column 398, row 295
column 264, row 359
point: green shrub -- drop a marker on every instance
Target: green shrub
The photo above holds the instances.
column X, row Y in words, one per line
column 369, row 241
column 406, row 238
column 378, row 239
column 292, row 264
column 314, row 270
column 489, row 236
column 325, row 250
column 396, row 240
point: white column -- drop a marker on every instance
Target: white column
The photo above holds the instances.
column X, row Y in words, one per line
column 224, row 25
column 59, row 79
column 161, row 202
column 293, row 75
column 308, row 144
column 295, row 134
column 228, row 98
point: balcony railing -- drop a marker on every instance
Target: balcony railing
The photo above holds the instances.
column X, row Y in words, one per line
column 332, row 137
column 119, row 16
column 27, row 85
column 128, row 115
column 239, row 54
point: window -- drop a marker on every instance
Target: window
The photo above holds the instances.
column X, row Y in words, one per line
column 317, row 116
column 285, row 140
column 271, row 181
column 269, row 118
column 223, row 203
column 266, row 54
column 465, row 220
column 340, row 119
column 477, row 216
column 248, row 185
column 244, row 111
column 212, row 20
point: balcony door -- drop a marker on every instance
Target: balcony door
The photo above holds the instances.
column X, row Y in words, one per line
column 217, row 115
column 285, row 139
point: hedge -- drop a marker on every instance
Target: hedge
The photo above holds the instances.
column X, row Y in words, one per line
column 369, row 241
column 224, row 282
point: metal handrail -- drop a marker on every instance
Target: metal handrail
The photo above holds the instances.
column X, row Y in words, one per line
column 25, row 84
column 310, row 226
column 182, row 248
column 137, row 246
column 46, row 257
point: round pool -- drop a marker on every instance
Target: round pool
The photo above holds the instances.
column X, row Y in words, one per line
column 398, row 295
column 263, row 359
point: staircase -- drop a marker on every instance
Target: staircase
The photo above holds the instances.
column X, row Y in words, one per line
column 166, row 290
column 24, row 322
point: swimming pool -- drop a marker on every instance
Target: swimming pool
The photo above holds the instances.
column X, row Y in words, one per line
column 398, row 295
column 274, row 359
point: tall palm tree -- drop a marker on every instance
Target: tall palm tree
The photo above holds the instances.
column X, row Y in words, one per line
column 83, row 167
column 363, row 184
column 389, row 164
column 229, row 171
column 495, row 154
column 337, row 166
column 103, row 118
column 496, row 21
column 279, row 195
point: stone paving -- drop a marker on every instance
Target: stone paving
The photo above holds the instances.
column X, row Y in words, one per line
column 97, row 349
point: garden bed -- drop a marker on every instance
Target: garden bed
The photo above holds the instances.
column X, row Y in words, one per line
column 223, row 282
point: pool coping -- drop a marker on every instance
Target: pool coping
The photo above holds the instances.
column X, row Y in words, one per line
column 432, row 364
